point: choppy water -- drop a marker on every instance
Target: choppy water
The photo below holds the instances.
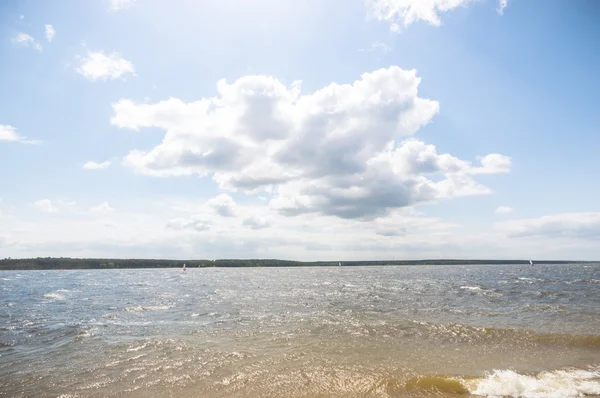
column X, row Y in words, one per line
column 302, row 332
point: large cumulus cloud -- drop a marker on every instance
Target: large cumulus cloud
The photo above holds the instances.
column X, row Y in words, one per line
column 345, row 150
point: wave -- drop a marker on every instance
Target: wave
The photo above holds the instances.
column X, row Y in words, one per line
column 452, row 385
column 558, row 383
column 564, row 383
column 140, row 308
column 473, row 334
column 479, row 290
column 54, row 296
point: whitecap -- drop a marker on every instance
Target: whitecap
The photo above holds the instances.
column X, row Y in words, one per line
column 137, row 348
column 470, row 287
column 558, row 383
column 54, row 296
column 139, row 308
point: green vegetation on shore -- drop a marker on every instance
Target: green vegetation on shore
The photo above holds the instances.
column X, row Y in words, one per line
column 44, row 263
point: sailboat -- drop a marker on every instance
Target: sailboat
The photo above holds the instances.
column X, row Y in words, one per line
column 339, row 264
column 530, row 262
column 184, row 267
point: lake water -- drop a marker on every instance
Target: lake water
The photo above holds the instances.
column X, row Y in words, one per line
column 396, row 331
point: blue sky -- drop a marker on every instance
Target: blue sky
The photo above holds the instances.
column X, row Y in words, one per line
column 456, row 128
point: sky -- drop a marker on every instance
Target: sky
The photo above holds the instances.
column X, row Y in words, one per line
column 301, row 130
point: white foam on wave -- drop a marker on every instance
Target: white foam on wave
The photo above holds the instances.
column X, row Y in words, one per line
column 524, row 279
column 54, row 296
column 137, row 348
column 479, row 290
column 554, row 384
column 140, row 308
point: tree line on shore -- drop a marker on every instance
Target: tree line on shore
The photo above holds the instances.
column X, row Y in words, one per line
column 49, row 263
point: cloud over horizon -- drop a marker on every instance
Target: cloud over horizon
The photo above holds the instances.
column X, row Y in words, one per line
column 584, row 226
column 390, row 128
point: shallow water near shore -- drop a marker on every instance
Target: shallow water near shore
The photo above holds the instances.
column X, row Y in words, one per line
column 395, row 331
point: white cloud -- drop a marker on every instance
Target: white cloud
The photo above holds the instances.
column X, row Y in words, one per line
column 178, row 228
column 256, row 222
column 570, row 225
column 98, row 66
column 116, row 5
column 65, row 202
column 494, row 163
column 45, row 205
column 102, row 208
column 26, row 40
column 50, row 32
column 271, row 234
column 406, row 12
column 343, row 150
column 91, row 165
column 502, row 4
column 223, row 204
column 196, row 222
column 31, row 142
column 503, row 210
column 9, row 134
column 377, row 46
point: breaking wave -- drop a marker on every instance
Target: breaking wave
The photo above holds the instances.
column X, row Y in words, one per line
column 508, row 383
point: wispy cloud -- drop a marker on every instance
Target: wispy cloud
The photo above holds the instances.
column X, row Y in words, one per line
column 50, row 32
column 567, row 225
column 102, row 208
column 26, row 40
column 98, row 66
column 117, row 5
column 377, row 46
column 45, row 205
column 91, row 165
column 501, row 6
column 503, row 210
column 9, row 134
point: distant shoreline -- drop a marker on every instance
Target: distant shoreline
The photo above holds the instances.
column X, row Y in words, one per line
column 57, row 263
